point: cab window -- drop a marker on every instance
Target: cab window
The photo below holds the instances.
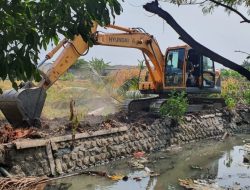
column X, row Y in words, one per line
column 208, row 72
column 208, row 64
column 174, row 67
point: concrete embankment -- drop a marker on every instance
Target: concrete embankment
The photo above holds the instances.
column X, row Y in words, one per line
column 55, row 155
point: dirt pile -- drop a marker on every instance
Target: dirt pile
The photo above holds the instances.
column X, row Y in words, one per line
column 91, row 123
column 8, row 133
column 62, row 126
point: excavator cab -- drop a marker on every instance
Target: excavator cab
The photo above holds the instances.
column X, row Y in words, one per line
column 187, row 69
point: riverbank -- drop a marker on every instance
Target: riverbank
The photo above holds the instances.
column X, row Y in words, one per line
column 217, row 163
column 55, row 156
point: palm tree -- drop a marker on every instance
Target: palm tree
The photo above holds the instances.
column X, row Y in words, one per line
column 141, row 67
column 98, row 65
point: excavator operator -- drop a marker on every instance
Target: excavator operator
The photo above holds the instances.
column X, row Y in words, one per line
column 193, row 69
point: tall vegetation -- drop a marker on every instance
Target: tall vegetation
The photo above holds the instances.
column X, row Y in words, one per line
column 235, row 89
column 175, row 107
column 27, row 26
column 99, row 65
column 79, row 64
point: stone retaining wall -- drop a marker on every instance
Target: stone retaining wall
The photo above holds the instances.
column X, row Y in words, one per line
column 55, row 156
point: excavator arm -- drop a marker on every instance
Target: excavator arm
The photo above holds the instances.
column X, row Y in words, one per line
column 24, row 107
column 69, row 55
column 129, row 38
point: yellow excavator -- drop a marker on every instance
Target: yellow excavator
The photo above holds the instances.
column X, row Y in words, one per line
column 180, row 69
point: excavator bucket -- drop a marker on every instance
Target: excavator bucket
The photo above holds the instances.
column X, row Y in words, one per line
column 23, row 107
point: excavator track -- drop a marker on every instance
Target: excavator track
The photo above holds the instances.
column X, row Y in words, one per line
column 153, row 105
column 197, row 104
column 135, row 105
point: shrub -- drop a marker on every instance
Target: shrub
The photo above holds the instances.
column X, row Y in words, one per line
column 228, row 73
column 231, row 92
column 175, row 106
column 247, row 96
column 230, row 102
column 99, row 65
column 67, row 76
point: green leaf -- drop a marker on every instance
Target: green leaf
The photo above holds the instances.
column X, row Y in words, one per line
column 15, row 86
column 37, row 76
column 27, row 26
column 55, row 40
column 27, row 10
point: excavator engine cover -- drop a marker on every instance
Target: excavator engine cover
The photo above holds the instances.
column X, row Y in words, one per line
column 23, row 107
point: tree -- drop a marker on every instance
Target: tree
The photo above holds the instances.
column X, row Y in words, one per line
column 98, row 65
column 140, row 67
column 246, row 64
column 80, row 63
column 208, row 6
column 154, row 8
column 27, row 26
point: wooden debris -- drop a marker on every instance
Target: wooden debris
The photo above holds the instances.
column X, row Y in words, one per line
column 8, row 134
column 225, row 136
column 4, row 172
column 26, row 183
column 23, row 144
column 51, row 159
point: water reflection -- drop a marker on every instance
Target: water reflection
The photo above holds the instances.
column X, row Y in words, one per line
column 232, row 171
column 222, row 161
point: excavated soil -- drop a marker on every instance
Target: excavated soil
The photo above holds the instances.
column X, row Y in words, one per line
column 90, row 123
column 62, row 126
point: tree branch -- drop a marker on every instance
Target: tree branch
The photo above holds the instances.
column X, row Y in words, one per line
column 197, row 3
column 231, row 9
column 239, row 51
column 153, row 8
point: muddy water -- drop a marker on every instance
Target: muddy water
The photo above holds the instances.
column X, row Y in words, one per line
column 221, row 161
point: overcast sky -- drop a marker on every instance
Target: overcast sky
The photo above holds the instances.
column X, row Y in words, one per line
column 219, row 31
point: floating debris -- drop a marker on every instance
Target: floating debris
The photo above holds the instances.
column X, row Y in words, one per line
column 117, row 177
column 198, row 184
column 139, row 154
column 196, row 167
column 246, row 156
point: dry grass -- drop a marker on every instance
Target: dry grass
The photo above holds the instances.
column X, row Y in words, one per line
column 117, row 78
column 87, row 95
column 5, row 85
column 27, row 183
